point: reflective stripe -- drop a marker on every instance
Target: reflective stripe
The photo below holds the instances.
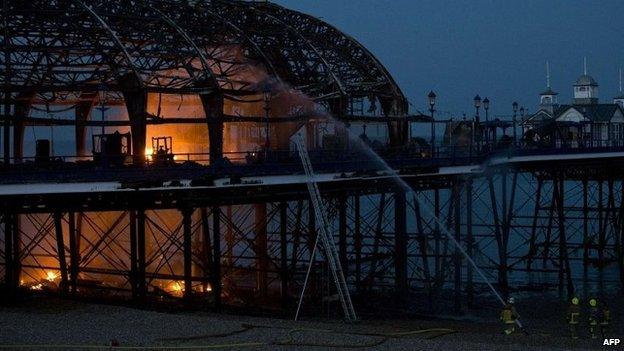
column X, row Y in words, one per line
column 506, row 316
column 573, row 317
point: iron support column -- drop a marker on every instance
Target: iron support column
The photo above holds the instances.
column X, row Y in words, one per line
column 357, row 242
column 502, row 252
column 216, row 260
column 141, row 276
column 342, row 233
column 73, row 254
column 471, row 243
column 564, row 262
column 82, row 112
column 60, row 249
column 22, row 110
column 17, row 249
column 457, row 256
column 283, row 208
column 207, row 248
column 136, row 103
column 538, row 204
column 187, row 222
column 133, row 254
column 213, row 108
column 8, row 251
column 400, row 245
column 436, row 232
column 261, row 245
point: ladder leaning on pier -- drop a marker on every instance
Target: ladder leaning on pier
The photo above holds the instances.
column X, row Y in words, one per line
column 324, row 232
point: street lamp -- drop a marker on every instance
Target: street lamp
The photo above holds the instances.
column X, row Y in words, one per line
column 515, row 111
column 267, row 94
column 102, row 107
column 432, row 102
column 486, row 107
column 477, row 127
column 477, row 105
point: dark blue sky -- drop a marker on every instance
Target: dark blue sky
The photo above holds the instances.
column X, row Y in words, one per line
column 497, row 48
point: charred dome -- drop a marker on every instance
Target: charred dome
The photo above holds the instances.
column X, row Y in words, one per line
column 161, row 59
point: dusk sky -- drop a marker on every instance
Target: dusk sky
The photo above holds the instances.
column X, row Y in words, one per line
column 494, row 48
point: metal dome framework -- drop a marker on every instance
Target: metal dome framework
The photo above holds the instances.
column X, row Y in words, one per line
column 63, row 52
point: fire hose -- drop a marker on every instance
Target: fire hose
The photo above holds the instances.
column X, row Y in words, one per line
column 289, row 341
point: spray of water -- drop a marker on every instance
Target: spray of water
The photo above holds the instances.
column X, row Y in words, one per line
column 355, row 139
column 383, row 164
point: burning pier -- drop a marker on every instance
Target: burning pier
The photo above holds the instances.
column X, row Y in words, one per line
column 190, row 188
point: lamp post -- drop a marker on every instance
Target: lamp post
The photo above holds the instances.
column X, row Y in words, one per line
column 513, row 121
column 432, row 102
column 102, row 108
column 266, row 92
column 486, row 107
column 477, row 127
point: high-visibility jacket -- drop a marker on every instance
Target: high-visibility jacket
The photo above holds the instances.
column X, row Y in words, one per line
column 593, row 315
column 509, row 314
column 574, row 313
column 606, row 316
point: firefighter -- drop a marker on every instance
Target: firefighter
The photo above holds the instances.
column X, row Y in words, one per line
column 605, row 318
column 509, row 315
column 574, row 314
column 593, row 317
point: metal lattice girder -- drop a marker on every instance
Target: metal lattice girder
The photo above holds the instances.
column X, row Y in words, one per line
column 359, row 72
column 61, row 49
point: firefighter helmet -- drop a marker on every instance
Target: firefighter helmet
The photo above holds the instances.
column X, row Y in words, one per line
column 575, row 300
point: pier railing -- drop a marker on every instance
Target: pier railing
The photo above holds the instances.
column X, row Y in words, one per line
column 280, row 162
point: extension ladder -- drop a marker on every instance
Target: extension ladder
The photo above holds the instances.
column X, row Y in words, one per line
column 324, row 232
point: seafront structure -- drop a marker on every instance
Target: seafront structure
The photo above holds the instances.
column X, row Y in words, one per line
column 182, row 183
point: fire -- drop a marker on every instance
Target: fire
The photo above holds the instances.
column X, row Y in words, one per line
column 148, row 154
column 176, row 288
column 51, row 276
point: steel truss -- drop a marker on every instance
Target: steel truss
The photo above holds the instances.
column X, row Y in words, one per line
column 71, row 54
column 545, row 230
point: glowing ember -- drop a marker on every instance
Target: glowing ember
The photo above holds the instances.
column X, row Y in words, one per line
column 37, row 287
column 51, row 276
column 148, row 154
column 176, row 288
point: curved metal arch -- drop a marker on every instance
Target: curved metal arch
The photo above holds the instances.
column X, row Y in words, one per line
column 46, row 70
column 187, row 38
column 198, row 12
column 114, row 37
column 290, row 44
column 158, row 50
column 242, row 34
column 396, row 90
column 310, row 45
column 270, row 29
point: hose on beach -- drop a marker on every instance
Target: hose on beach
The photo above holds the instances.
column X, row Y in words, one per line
column 290, row 340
